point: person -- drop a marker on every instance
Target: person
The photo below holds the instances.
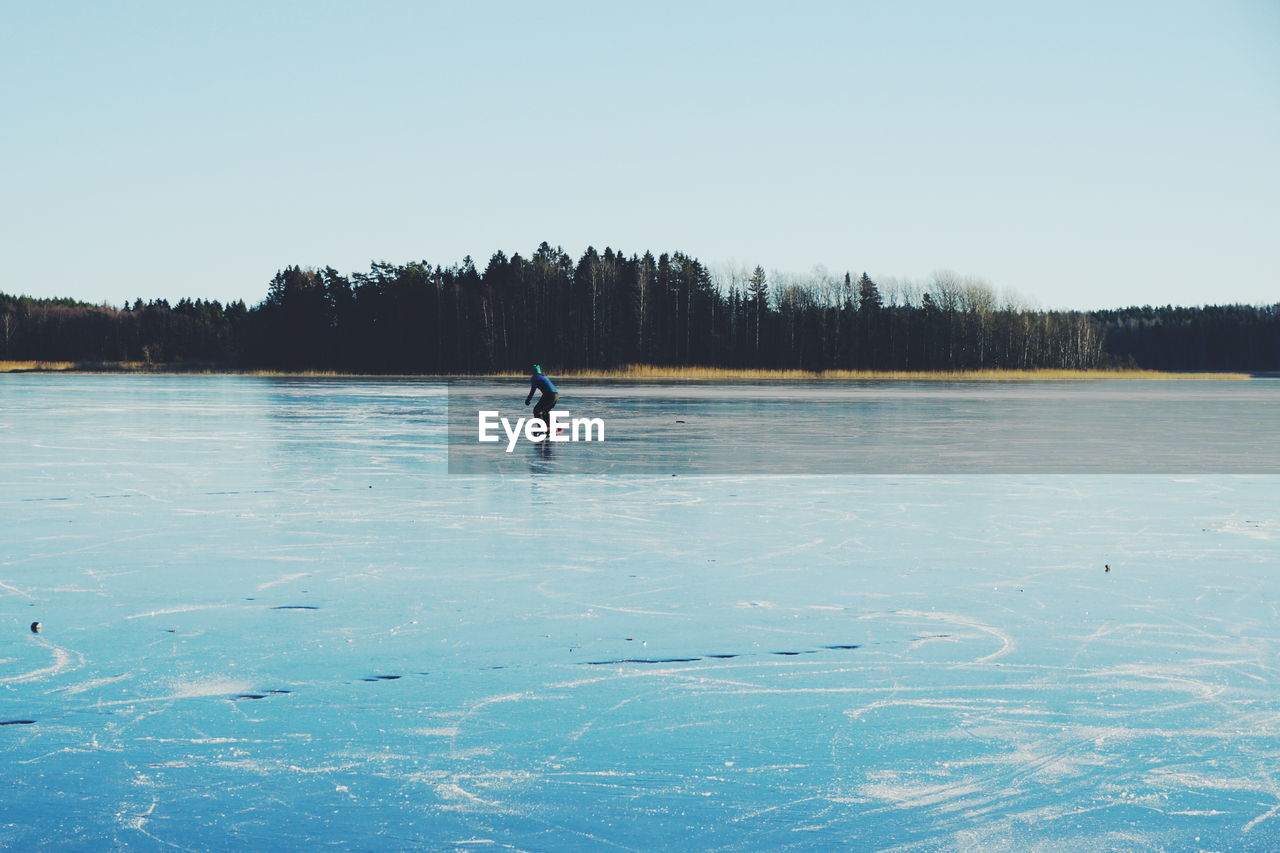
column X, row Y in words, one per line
column 539, row 381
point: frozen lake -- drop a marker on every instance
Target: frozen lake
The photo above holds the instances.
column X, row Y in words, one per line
column 271, row 619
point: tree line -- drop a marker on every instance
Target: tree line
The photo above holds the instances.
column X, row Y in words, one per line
column 609, row 309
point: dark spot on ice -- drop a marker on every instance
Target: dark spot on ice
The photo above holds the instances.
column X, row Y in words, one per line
column 280, row 690
column 679, row 422
column 295, row 607
column 841, row 647
column 240, row 696
column 35, row 627
column 1107, row 567
column 664, row 660
column 640, row 660
column 382, row 678
column 17, row 722
column 171, row 630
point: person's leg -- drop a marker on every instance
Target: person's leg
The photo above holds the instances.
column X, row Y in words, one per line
column 546, row 412
column 540, row 409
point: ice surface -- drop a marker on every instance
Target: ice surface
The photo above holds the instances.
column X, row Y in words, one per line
column 1201, row 427
column 271, row 620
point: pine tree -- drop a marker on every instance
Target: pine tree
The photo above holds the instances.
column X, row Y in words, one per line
column 868, row 295
column 758, row 294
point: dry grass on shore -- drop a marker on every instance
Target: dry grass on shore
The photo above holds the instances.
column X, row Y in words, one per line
column 143, row 367
column 37, row 366
column 644, row 371
column 656, row 373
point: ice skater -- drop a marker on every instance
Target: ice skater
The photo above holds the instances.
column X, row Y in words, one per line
column 539, row 381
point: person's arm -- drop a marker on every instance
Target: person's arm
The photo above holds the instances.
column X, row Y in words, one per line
column 532, row 386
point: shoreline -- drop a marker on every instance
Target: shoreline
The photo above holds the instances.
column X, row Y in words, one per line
column 657, row 373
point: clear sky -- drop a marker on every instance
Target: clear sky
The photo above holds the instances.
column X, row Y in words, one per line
column 1084, row 154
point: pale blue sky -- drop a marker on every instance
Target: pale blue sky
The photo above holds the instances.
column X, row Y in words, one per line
column 1082, row 154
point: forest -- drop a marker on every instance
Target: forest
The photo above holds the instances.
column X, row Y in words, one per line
column 609, row 309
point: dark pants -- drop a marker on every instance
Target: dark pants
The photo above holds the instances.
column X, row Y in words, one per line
column 545, row 404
